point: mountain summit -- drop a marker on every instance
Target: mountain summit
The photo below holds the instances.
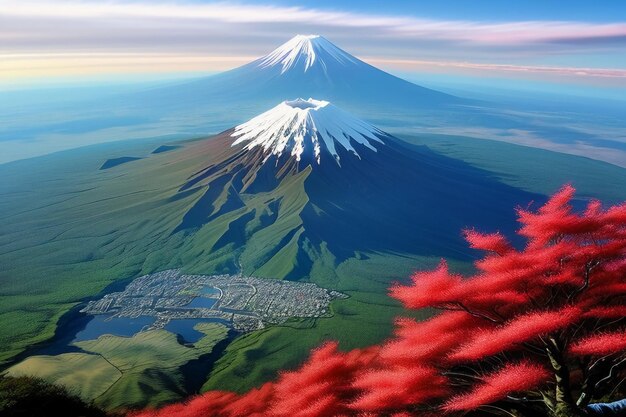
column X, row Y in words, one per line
column 306, row 129
column 304, row 52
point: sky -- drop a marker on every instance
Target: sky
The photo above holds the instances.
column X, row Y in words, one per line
column 572, row 43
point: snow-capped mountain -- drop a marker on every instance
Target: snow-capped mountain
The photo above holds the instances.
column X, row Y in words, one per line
column 304, row 52
column 306, row 184
column 304, row 66
column 306, row 128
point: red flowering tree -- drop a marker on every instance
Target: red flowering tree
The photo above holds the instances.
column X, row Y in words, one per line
column 534, row 332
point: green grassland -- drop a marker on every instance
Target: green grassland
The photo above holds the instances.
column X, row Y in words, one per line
column 69, row 230
column 88, row 376
column 61, row 224
column 121, row 372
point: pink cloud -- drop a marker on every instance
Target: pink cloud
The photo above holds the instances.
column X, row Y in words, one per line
column 568, row 71
column 518, row 32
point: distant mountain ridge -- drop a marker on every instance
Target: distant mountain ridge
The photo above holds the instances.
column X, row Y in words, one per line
column 305, row 66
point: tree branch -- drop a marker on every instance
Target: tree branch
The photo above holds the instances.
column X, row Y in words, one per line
column 476, row 314
column 586, row 278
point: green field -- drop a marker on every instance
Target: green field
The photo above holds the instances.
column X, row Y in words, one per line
column 68, row 230
column 121, row 372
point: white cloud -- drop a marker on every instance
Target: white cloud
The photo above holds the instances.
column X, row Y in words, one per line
column 411, row 27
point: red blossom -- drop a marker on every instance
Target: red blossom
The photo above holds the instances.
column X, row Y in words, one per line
column 606, row 312
column 600, row 344
column 524, row 328
column 416, row 342
column 253, row 404
column 210, row 404
column 322, row 386
column 496, row 386
column 492, row 242
column 429, row 288
column 395, row 388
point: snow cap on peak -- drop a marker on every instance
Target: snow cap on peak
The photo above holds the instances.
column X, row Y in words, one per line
column 306, row 36
column 302, row 52
column 302, row 104
column 306, row 126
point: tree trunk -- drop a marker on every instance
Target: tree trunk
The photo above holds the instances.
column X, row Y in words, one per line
column 564, row 405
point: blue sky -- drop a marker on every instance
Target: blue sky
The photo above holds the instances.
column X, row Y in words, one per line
column 489, row 10
column 567, row 43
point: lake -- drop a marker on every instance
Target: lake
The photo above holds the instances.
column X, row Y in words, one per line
column 118, row 326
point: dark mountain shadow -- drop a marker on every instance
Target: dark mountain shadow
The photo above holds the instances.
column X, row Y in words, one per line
column 113, row 162
column 407, row 199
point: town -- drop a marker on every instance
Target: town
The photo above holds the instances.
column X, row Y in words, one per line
column 244, row 303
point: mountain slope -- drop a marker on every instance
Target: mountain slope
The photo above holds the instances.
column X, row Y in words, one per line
column 291, row 187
